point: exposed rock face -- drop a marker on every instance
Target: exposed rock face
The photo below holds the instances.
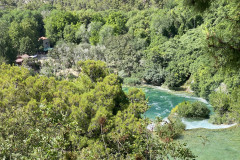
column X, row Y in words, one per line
column 222, row 88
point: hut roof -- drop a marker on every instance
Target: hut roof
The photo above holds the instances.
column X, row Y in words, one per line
column 19, row 60
column 42, row 38
column 25, row 56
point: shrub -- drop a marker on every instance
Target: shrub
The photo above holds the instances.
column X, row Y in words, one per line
column 193, row 110
column 216, row 119
column 221, row 119
column 170, row 130
column 220, row 102
column 153, row 76
column 132, row 81
column 94, row 69
column 175, row 109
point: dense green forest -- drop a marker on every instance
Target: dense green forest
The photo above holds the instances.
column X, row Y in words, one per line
column 87, row 118
column 172, row 43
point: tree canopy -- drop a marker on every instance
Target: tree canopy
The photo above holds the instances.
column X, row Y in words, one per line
column 45, row 118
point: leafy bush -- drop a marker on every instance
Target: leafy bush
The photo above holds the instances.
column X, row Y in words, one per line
column 132, row 81
column 220, row 102
column 193, row 110
column 156, row 77
column 226, row 107
column 174, row 110
column 118, row 21
column 221, row 119
column 235, row 104
column 56, row 22
column 170, row 130
column 94, row 69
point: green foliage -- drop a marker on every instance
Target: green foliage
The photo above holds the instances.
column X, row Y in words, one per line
column 118, row 21
column 24, row 33
column 62, row 61
column 20, row 33
column 174, row 110
column 155, row 76
column 199, row 5
column 56, row 22
column 94, row 69
column 220, row 102
column 69, row 33
column 138, row 102
column 124, row 52
column 169, row 64
column 75, row 119
column 82, row 35
column 163, row 24
column 88, row 16
column 94, row 29
column 139, row 24
column 158, row 41
column 83, row 4
column 234, row 106
column 204, row 146
column 27, row 46
column 132, row 81
column 223, row 34
column 106, row 32
column 193, row 110
column 225, row 107
column 6, row 47
column 171, row 130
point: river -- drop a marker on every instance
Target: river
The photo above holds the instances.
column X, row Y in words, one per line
column 162, row 101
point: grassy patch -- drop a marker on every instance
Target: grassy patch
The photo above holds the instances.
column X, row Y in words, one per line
column 207, row 144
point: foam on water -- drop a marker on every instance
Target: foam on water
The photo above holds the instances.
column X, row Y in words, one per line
column 182, row 95
column 192, row 97
column 193, row 124
column 190, row 124
column 171, row 104
column 155, row 103
column 163, row 89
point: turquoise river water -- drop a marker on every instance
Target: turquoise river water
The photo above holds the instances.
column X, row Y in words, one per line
column 162, row 101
